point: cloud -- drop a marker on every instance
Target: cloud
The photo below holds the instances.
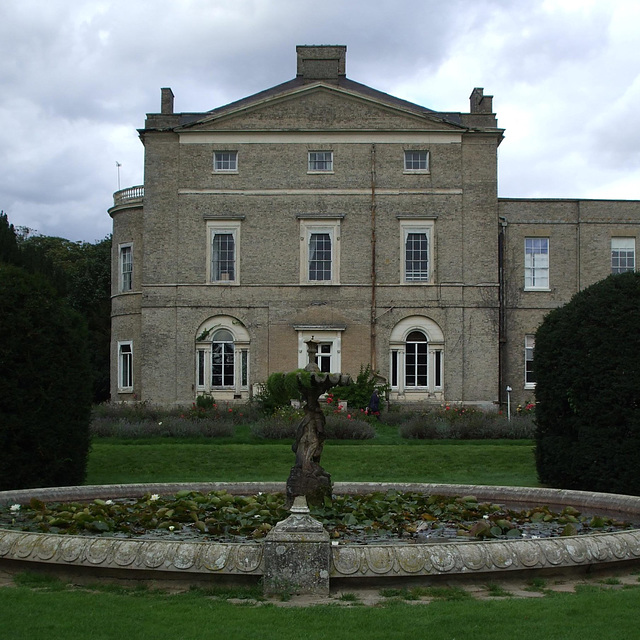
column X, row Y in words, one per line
column 79, row 77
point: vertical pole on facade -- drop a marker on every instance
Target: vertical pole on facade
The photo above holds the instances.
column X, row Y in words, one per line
column 508, row 404
column 373, row 259
column 502, row 311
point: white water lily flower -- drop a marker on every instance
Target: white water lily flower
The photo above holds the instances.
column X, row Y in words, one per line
column 171, row 528
column 108, row 501
column 14, row 508
column 154, row 497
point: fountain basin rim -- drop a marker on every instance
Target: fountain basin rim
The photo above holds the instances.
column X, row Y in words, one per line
column 618, row 504
column 195, row 560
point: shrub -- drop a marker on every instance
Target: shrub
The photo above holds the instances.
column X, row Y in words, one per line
column 141, row 420
column 131, row 411
column 168, row 427
column 340, row 426
column 398, row 415
column 205, row 402
column 274, row 428
column 45, row 385
column 466, row 423
column 588, row 389
column 279, row 390
column 358, row 394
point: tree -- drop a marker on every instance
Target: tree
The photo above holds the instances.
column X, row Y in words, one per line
column 45, row 385
column 588, row 389
column 80, row 272
column 9, row 251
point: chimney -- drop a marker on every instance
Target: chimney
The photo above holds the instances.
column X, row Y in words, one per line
column 166, row 102
column 321, row 62
column 479, row 102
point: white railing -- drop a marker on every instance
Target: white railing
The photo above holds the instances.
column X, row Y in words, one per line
column 126, row 196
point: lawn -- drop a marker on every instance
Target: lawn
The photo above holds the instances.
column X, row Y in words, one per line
column 504, row 462
column 104, row 611
column 107, row 612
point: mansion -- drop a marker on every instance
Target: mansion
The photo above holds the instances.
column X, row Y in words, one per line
column 324, row 209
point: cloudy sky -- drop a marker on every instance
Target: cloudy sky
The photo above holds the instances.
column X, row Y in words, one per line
column 78, row 76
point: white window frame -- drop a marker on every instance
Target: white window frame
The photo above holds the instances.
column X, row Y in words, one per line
column 410, row 169
column 125, row 366
column 225, row 157
column 425, row 227
column 125, row 277
column 308, row 228
column 223, row 227
column 529, row 347
column 435, row 356
column 412, row 347
column 313, row 161
column 204, row 356
column 626, row 244
column 323, row 335
column 229, row 350
column 536, row 269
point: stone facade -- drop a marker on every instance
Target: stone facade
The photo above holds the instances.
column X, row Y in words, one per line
column 323, row 208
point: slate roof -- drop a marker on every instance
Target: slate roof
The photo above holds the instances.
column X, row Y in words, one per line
column 452, row 118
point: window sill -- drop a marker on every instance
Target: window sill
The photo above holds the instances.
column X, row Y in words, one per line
column 225, row 171
column 536, row 289
column 319, row 283
column 224, row 283
column 416, row 171
column 528, row 386
column 319, row 173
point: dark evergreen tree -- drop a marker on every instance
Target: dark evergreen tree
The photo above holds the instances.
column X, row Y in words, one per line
column 45, row 385
column 9, row 251
column 587, row 365
column 81, row 273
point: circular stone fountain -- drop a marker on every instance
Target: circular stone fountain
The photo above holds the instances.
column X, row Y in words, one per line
column 192, row 560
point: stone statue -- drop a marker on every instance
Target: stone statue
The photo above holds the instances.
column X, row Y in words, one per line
column 307, row 477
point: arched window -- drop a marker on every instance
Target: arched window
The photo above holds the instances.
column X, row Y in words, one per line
column 222, row 356
column 222, row 359
column 416, row 361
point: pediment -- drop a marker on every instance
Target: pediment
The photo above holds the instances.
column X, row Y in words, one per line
column 322, row 107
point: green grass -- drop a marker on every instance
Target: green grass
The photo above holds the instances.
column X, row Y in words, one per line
column 104, row 611
column 459, row 462
column 57, row 611
column 418, row 593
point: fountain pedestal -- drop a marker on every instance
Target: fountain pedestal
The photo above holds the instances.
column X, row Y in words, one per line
column 297, row 554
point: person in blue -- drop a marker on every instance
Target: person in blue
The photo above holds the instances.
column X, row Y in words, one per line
column 374, row 404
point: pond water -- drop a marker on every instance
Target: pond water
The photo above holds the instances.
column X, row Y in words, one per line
column 391, row 516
